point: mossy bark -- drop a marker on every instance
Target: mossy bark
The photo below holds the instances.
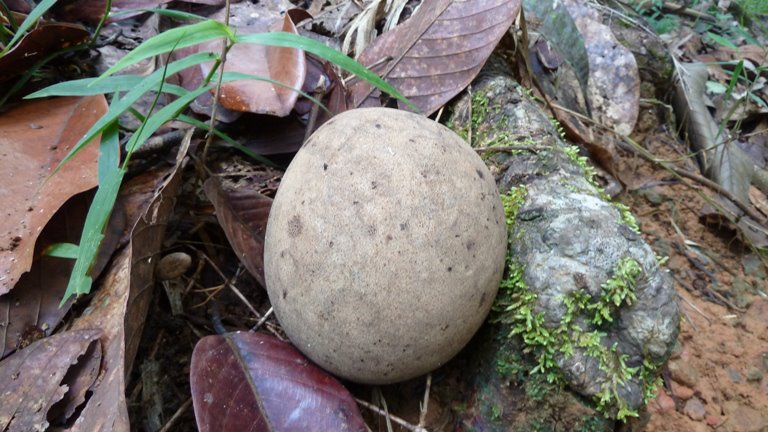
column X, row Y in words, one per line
column 571, row 245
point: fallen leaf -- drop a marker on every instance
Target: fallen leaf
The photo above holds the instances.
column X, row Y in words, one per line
column 36, row 137
column 38, row 44
column 242, row 214
column 34, row 302
column 723, row 161
column 91, row 11
column 437, row 52
column 18, row 6
column 254, row 382
column 53, row 372
column 750, row 232
column 555, row 24
column 280, row 64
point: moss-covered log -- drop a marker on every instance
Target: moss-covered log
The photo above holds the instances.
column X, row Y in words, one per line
column 584, row 305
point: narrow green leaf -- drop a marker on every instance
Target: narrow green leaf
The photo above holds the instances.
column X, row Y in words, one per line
column 721, row 40
column 158, row 119
column 88, row 87
column 175, row 38
column 110, row 177
column 236, row 76
column 284, row 39
column 62, row 250
column 735, row 77
column 229, row 140
column 170, row 13
column 147, row 84
column 31, row 19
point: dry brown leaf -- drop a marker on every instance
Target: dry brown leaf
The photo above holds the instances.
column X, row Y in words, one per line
column 51, row 374
column 33, row 305
column 38, row 44
column 284, row 65
column 759, row 200
column 120, row 305
column 242, row 214
column 36, row 137
column 436, row 53
column 91, row 11
column 724, row 162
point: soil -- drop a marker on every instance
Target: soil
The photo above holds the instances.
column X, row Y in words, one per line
column 716, row 379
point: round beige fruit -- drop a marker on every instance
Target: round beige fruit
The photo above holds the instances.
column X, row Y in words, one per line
column 385, row 245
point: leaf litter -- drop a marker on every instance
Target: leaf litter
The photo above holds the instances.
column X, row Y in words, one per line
column 120, row 306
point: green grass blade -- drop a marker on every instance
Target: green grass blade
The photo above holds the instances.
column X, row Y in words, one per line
column 735, row 77
column 176, row 38
column 110, row 177
column 88, row 87
column 229, row 140
column 170, row 13
column 721, row 40
column 158, row 119
column 131, row 97
column 290, row 40
column 62, row 250
column 236, row 76
column 31, row 19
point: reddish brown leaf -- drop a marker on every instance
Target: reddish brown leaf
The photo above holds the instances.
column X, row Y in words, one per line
column 36, row 136
column 49, row 373
column 284, row 65
column 254, row 382
column 38, row 44
column 243, row 214
column 91, row 11
column 34, row 302
column 18, row 6
column 437, row 52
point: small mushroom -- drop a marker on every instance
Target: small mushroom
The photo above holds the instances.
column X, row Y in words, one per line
column 385, row 245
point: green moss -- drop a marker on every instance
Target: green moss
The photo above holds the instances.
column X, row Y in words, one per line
column 479, row 114
column 617, row 291
column 754, row 7
column 516, row 306
column 625, row 214
column 481, row 130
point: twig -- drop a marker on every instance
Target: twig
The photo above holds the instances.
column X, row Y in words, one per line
column 679, row 172
column 229, row 284
column 694, row 307
column 394, row 418
column 217, row 89
column 688, row 318
column 425, row 404
column 263, row 319
column 163, row 142
column 698, row 265
column 176, row 416
column 377, row 392
column 510, row 149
